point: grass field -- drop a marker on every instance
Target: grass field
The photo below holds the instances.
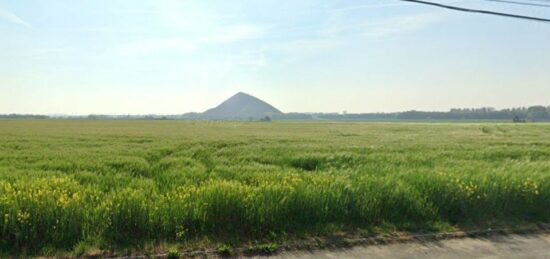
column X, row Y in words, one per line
column 66, row 185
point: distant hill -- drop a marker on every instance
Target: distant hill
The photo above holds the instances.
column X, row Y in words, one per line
column 240, row 106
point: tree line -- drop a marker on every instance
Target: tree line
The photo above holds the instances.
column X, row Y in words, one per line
column 533, row 113
column 521, row 114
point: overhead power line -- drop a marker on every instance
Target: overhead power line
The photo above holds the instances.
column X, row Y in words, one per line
column 519, row 3
column 456, row 8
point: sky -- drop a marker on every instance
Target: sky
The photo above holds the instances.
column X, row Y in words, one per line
column 171, row 57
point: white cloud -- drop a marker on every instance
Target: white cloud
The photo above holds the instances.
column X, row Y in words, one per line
column 228, row 34
column 339, row 32
column 11, row 17
column 371, row 6
column 341, row 24
column 402, row 24
column 303, row 46
column 175, row 44
column 235, row 34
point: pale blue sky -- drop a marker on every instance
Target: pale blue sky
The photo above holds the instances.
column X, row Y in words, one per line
column 171, row 57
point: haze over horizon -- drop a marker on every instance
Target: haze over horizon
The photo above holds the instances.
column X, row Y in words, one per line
column 172, row 57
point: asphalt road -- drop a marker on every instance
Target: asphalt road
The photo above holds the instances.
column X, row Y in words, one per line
column 497, row 246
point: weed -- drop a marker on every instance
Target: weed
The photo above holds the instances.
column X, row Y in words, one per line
column 264, row 249
column 224, row 250
column 173, row 253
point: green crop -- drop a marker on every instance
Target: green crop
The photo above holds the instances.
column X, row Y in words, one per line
column 68, row 183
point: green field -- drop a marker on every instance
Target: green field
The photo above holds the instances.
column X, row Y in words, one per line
column 69, row 184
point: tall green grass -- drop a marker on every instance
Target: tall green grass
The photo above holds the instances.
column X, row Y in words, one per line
column 114, row 183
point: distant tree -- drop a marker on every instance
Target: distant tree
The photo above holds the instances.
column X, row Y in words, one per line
column 537, row 113
column 23, row 116
column 265, row 119
column 293, row 116
column 518, row 120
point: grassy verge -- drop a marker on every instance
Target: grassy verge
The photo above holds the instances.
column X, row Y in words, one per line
column 205, row 247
